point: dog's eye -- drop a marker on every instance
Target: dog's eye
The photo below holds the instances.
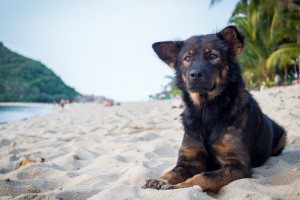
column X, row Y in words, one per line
column 212, row 56
column 188, row 58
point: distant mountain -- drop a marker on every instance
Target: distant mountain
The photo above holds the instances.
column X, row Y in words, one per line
column 25, row 80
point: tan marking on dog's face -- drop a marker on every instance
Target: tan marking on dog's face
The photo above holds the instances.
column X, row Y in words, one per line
column 211, row 95
column 183, row 78
column 171, row 65
column 190, row 53
column 216, row 53
column 239, row 49
column 224, row 73
column 219, row 82
column 195, row 98
column 186, row 64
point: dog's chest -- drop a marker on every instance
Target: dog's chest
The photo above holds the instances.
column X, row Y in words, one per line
column 202, row 123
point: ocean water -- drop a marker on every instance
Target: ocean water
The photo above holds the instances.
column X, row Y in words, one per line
column 15, row 113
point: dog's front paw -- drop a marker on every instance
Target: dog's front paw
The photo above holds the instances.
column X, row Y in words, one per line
column 154, row 184
column 167, row 187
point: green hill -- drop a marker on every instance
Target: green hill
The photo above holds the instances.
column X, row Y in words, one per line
column 26, row 80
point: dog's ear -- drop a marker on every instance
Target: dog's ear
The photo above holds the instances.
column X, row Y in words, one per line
column 167, row 51
column 234, row 38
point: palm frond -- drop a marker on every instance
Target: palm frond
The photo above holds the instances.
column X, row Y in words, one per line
column 286, row 50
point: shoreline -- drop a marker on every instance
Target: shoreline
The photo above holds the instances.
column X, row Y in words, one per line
column 16, row 111
column 24, row 104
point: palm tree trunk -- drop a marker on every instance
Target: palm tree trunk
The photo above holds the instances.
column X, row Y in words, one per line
column 265, row 70
column 285, row 73
column 267, row 74
column 298, row 41
column 299, row 66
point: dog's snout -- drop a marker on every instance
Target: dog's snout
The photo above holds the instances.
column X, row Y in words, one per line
column 196, row 74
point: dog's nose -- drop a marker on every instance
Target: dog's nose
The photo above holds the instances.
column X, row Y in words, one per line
column 196, row 74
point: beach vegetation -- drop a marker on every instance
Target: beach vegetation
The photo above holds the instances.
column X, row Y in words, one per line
column 169, row 90
column 271, row 52
column 25, row 80
column 272, row 42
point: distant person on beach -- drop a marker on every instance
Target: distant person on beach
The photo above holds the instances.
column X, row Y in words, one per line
column 62, row 104
column 109, row 103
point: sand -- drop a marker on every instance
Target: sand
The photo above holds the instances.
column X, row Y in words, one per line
column 94, row 152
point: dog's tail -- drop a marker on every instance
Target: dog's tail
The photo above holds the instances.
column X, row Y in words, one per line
column 279, row 139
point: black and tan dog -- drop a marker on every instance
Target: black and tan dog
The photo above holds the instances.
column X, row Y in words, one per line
column 226, row 132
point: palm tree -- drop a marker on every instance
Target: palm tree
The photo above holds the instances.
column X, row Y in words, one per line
column 289, row 51
column 271, row 29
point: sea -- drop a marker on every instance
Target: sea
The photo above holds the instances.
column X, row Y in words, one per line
column 16, row 113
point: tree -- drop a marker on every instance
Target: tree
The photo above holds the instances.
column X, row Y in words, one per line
column 23, row 79
column 271, row 29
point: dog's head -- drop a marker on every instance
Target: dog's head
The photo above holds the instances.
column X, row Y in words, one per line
column 203, row 63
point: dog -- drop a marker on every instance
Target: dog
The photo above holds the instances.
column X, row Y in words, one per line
column 225, row 131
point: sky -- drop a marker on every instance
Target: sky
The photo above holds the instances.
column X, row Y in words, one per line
column 103, row 47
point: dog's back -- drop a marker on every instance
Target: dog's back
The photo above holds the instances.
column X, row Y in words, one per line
column 263, row 135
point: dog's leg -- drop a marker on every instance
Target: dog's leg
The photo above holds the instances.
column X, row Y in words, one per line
column 234, row 159
column 192, row 160
column 212, row 181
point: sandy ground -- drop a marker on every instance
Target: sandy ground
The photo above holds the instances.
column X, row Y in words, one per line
column 95, row 152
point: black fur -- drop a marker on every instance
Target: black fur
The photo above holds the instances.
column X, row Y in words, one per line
column 226, row 132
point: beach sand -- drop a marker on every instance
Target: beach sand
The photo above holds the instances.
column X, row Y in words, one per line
column 89, row 151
